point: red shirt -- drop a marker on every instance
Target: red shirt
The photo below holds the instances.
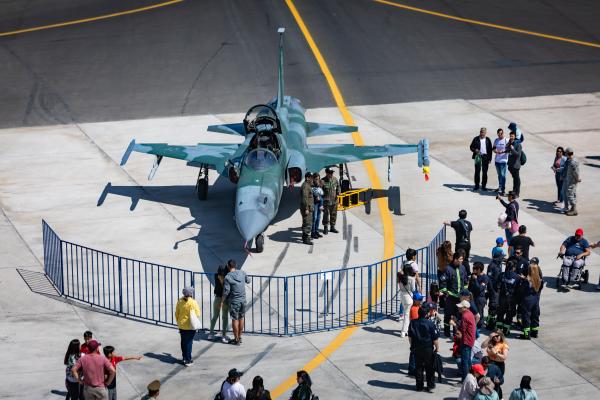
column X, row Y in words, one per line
column 94, row 367
column 467, row 328
column 414, row 312
column 115, row 360
column 84, row 349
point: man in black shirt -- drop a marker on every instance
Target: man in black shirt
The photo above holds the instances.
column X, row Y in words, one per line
column 423, row 337
column 522, row 240
column 462, row 229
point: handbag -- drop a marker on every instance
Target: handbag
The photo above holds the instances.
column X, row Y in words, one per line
column 478, row 159
column 194, row 320
column 514, row 226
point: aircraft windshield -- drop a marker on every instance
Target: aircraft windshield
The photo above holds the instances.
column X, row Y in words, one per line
column 260, row 159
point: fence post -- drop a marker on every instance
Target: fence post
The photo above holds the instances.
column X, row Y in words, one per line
column 62, row 274
column 120, row 288
column 285, row 306
column 370, row 294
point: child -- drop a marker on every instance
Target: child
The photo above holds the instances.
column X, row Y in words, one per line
column 499, row 249
column 109, row 352
column 87, row 336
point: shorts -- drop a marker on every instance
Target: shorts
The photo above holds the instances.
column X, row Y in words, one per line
column 237, row 311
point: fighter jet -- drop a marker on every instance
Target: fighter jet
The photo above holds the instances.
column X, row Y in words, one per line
column 274, row 153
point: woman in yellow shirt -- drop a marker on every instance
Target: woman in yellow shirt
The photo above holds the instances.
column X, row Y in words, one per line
column 185, row 306
column 496, row 348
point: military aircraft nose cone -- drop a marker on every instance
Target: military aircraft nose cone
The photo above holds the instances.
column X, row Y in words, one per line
column 250, row 223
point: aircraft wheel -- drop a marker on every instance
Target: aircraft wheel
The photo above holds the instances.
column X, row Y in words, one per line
column 260, row 243
column 203, row 189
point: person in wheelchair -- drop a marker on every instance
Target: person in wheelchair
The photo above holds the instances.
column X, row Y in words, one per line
column 573, row 251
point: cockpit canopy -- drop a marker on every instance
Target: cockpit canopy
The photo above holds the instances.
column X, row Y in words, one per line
column 262, row 119
column 260, row 159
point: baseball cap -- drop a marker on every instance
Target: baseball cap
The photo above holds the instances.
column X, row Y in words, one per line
column 512, row 126
column 234, row 373
column 154, row 386
column 499, row 240
column 579, row 232
column 93, row 345
column 465, row 293
column 464, row 304
column 479, row 369
column 569, row 150
column 418, row 296
column 188, row 291
column 534, row 260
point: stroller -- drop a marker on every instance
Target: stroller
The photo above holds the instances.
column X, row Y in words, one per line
column 571, row 276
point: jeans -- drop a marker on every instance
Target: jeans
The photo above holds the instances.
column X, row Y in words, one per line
column 483, row 167
column 424, row 363
column 74, row 390
column 508, row 234
column 514, row 172
column 465, row 360
column 559, row 187
column 316, row 217
column 501, row 171
column 187, row 339
column 219, row 305
column 95, row 393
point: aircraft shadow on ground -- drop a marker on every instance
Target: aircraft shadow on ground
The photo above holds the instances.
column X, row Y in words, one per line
column 593, row 158
column 218, row 239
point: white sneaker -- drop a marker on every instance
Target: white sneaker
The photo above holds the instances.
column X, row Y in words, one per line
column 211, row 336
column 225, row 339
column 403, row 334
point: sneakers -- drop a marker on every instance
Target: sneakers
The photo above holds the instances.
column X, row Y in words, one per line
column 225, row 339
column 572, row 212
column 403, row 334
column 187, row 363
column 211, row 336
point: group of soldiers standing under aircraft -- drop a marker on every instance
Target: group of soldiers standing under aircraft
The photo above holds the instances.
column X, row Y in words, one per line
column 318, row 195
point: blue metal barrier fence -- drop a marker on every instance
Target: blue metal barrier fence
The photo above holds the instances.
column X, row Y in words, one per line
column 277, row 305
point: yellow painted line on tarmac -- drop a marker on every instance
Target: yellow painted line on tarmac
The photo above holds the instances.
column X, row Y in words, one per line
column 488, row 24
column 384, row 213
column 91, row 19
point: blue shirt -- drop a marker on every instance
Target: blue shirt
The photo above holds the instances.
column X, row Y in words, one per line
column 575, row 247
column 496, row 251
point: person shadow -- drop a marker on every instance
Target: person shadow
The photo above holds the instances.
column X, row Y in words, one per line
column 461, row 187
column 212, row 218
column 542, row 206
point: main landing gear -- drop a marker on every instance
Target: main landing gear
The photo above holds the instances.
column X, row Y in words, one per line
column 202, row 183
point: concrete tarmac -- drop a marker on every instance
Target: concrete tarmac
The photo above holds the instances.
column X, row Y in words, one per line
column 75, row 163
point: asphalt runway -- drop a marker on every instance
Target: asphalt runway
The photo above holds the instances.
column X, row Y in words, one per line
column 203, row 57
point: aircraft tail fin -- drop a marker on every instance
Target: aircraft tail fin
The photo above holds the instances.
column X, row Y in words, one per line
column 280, row 74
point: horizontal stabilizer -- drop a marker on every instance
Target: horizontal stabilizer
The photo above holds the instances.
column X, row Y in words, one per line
column 229, row 129
column 318, row 129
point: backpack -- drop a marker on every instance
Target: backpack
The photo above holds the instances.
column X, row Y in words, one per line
column 219, row 396
column 523, row 158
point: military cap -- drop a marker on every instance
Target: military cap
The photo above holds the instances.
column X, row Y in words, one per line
column 154, row 386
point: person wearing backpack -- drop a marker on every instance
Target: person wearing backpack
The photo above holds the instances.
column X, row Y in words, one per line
column 303, row 391
column 515, row 160
column 406, row 287
column 231, row 388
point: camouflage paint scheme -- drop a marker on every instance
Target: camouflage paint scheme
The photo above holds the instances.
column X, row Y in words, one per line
column 259, row 189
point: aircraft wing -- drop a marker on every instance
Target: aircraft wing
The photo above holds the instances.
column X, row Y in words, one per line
column 212, row 154
column 320, row 156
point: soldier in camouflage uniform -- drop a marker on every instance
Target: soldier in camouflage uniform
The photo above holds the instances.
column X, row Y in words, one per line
column 572, row 178
column 331, row 191
column 306, row 208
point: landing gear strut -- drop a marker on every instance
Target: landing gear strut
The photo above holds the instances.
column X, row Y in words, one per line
column 202, row 182
column 260, row 243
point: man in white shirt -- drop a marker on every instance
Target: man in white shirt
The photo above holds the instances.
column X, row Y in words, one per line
column 232, row 389
column 481, row 147
column 501, row 160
